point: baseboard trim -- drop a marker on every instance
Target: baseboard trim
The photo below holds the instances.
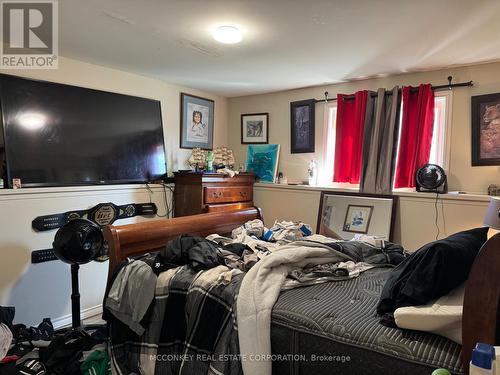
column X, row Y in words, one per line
column 65, row 321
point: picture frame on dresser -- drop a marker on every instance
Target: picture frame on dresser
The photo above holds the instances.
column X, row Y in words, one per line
column 255, row 128
column 197, row 122
column 302, row 126
column 485, row 121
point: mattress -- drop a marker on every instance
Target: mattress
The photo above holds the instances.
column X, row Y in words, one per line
column 333, row 328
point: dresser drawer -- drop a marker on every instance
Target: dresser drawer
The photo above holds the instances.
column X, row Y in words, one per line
column 227, row 206
column 215, row 194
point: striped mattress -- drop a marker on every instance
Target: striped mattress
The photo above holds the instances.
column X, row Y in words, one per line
column 322, row 325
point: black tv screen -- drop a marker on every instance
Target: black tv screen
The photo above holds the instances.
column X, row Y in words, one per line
column 61, row 135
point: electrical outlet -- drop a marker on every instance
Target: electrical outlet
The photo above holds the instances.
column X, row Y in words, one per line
column 41, row 256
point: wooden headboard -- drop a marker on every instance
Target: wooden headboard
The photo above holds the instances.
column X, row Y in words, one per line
column 136, row 239
column 481, row 313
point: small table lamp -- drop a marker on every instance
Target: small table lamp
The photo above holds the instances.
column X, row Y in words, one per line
column 492, row 218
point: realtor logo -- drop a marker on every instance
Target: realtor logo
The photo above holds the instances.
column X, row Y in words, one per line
column 29, row 34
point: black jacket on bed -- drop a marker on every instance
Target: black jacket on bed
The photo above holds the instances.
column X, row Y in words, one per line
column 432, row 271
column 198, row 252
column 389, row 253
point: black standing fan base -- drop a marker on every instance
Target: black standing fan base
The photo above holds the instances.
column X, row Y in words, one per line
column 76, row 324
column 443, row 189
column 86, row 327
column 77, row 242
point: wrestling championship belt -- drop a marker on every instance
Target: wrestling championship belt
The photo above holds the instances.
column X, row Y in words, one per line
column 102, row 214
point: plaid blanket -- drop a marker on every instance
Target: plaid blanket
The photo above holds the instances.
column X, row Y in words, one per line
column 192, row 328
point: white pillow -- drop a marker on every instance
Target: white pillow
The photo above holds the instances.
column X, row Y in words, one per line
column 442, row 317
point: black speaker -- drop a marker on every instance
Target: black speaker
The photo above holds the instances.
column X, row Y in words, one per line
column 431, row 178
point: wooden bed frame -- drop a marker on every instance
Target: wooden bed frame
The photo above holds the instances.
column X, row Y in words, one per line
column 481, row 314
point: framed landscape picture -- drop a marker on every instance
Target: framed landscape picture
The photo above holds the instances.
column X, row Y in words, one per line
column 485, row 110
column 357, row 218
column 197, row 122
column 255, row 128
column 302, row 126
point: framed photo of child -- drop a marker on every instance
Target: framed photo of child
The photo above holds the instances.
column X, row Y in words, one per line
column 197, row 122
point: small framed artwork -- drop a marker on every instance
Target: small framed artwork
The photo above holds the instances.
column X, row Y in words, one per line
column 485, row 110
column 343, row 215
column 302, row 126
column 357, row 218
column 254, row 128
column 197, row 122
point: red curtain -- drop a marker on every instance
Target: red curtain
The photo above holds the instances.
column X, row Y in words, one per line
column 349, row 137
column 416, row 133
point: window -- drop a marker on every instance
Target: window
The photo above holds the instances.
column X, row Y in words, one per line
column 325, row 176
column 441, row 132
column 440, row 139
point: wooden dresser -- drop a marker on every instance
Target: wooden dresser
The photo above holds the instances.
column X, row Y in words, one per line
column 197, row 193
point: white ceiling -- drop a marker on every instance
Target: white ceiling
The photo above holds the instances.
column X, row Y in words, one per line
column 287, row 43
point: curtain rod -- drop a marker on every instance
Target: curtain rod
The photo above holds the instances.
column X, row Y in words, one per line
column 449, row 86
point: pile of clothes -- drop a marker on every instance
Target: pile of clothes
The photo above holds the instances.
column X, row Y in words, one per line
column 131, row 291
column 41, row 351
column 195, row 282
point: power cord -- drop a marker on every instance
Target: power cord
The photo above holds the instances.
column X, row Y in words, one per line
column 169, row 207
column 436, row 215
column 445, row 230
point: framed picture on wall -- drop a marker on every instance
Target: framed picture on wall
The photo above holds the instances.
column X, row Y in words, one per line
column 485, row 110
column 302, row 126
column 357, row 218
column 343, row 215
column 197, row 122
column 254, row 128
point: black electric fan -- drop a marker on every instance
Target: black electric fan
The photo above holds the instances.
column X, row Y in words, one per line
column 77, row 242
column 431, row 178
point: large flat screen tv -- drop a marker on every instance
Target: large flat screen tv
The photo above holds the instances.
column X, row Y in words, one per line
column 61, row 135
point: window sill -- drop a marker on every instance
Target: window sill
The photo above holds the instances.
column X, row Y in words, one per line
column 399, row 192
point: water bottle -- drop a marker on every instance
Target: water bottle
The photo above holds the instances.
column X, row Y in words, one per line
column 313, row 173
column 483, row 360
column 210, row 161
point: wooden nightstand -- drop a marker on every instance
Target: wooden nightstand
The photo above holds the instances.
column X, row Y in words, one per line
column 197, row 193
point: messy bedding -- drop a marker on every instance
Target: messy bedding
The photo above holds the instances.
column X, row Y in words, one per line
column 228, row 305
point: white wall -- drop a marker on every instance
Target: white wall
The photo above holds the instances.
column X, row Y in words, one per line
column 462, row 176
column 415, row 215
column 43, row 290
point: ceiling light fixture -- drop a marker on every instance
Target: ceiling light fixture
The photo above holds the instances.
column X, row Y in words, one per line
column 228, row 34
